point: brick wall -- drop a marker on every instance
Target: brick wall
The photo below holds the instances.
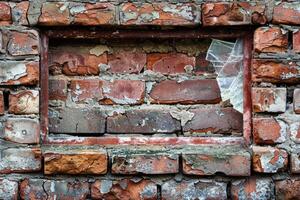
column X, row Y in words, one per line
column 135, row 118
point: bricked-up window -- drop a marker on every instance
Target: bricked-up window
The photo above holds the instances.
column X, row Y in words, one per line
column 123, row 87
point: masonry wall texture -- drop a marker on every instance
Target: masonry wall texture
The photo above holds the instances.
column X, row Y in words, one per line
column 160, row 90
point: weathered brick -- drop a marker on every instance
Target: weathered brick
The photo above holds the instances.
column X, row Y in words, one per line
column 2, row 108
column 22, row 130
column 288, row 189
column 241, row 13
column 24, row 102
column 170, row 63
column 269, row 99
column 269, row 159
column 5, row 14
column 75, row 62
column 76, row 120
column 295, row 131
column 20, row 160
column 203, row 66
column 270, row 40
column 287, row 13
column 55, row 14
column 253, row 188
column 215, row 121
column 269, row 130
column 231, row 161
column 186, row 92
column 295, row 162
column 94, row 14
column 143, row 121
column 124, row 189
column 141, row 163
column 8, row 189
column 126, row 62
column 23, row 43
column 296, row 101
column 75, row 161
column 34, row 189
column 159, row 14
column 275, row 71
column 86, row 90
column 58, row 89
column 19, row 13
column 123, row 92
column 19, row 72
column 296, row 41
column 193, row 189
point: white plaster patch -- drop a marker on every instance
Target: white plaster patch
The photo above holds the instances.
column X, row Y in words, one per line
column 12, row 71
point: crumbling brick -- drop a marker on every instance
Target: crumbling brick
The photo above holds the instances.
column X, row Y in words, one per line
column 24, row 102
column 286, row 13
column 296, row 41
column 58, row 89
column 288, row 189
column 297, row 101
column 295, row 162
column 5, row 14
column 19, row 13
column 8, row 189
column 55, row 14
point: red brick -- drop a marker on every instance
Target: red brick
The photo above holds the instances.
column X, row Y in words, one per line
column 22, row 130
column 136, row 162
column 186, row 92
column 94, row 14
column 159, row 14
column 287, row 13
column 269, row 159
column 8, row 189
column 169, row 63
column 15, row 160
column 242, row 13
column 2, row 108
column 143, row 121
column 297, row 101
column 23, row 43
column 55, row 14
column 295, row 162
column 203, row 66
column 269, row 131
column 193, row 189
column 86, row 90
column 39, row 189
column 75, row 161
column 232, row 161
column 124, row 189
column 77, row 120
column 24, row 102
column 296, row 41
column 5, row 14
column 252, row 188
column 58, row 89
column 20, row 13
column 270, row 40
column 229, row 121
column 19, row 72
column 269, row 99
column 123, row 92
column 126, row 62
column 73, row 62
column 288, row 189
column 275, row 71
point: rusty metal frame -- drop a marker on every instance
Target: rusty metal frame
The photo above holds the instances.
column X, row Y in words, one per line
column 79, row 33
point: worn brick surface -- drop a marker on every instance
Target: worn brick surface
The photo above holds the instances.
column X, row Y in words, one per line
column 186, row 92
column 170, row 63
column 216, row 159
column 143, row 121
column 5, row 14
column 288, row 189
column 275, row 71
column 229, row 121
column 269, row 159
column 76, row 120
column 54, row 14
column 8, row 189
column 296, row 41
column 270, row 40
column 22, row 130
column 287, row 13
column 19, row 13
column 269, row 131
column 295, row 131
column 86, row 90
column 124, row 189
column 24, row 102
column 75, row 161
column 295, row 162
column 58, row 89
column 193, row 189
column 296, row 101
column 2, row 108
column 269, row 99
column 31, row 189
column 253, row 188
